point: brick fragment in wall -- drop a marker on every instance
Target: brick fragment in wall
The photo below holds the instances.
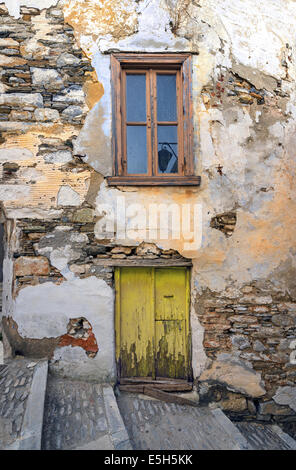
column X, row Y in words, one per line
column 31, row 266
column 80, row 334
column 224, row 222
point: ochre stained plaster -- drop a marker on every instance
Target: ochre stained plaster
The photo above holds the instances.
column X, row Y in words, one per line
column 274, row 234
column 93, row 89
column 43, row 193
column 92, row 19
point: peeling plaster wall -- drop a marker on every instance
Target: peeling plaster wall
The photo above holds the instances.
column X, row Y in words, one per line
column 91, row 298
column 56, row 152
column 14, row 6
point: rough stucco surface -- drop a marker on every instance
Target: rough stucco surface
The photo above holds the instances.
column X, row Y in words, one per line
column 243, row 284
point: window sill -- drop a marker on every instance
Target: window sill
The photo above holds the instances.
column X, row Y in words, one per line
column 154, row 181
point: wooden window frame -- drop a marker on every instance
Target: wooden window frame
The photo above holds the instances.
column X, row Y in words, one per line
column 180, row 64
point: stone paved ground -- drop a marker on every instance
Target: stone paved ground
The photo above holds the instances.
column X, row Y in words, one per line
column 15, row 384
column 81, row 415
column 156, row 425
column 267, row 437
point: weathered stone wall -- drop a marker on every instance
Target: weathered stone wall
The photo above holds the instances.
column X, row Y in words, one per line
column 55, row 154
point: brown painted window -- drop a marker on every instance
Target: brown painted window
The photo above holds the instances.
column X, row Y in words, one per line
column 152, row 120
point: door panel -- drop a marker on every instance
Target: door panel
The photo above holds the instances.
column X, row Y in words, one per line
column 152, row 322
column 136, row 323
column 170, row 323
column 170, row 293
column 170, row 349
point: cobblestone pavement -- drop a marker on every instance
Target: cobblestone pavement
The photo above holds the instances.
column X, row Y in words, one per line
column 15, row 385
column 81, row 415
column 156, row 425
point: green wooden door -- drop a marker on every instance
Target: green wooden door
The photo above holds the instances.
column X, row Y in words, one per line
column 152, row 322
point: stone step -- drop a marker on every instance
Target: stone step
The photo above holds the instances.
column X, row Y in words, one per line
column 153, row 425
column 266, row 436
column 82, row 415
column 22, row 393
column 157, row 425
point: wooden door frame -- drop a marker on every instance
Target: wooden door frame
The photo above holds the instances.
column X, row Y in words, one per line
column 117, row 270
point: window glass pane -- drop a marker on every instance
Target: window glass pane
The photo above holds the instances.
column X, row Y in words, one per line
column 166, row 98
column 136, row 97
column 136, row 149
column 167, row 137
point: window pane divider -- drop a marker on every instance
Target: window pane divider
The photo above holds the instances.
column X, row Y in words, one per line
column 167, row 123
column 136, row 123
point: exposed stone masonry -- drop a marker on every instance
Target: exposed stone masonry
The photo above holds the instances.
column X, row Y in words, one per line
column 230, row 87
column 41, row 80
column 257, row 328
column 224, row 222
column 31, row 268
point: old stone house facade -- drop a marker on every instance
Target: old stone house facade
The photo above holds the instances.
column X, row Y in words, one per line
column 63, row 265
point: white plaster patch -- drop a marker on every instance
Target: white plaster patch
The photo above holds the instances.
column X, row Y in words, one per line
column 258, row 34
column 14, row 5
column 60, row 257
column 11, row 154
column 31, row 175
column 37, row 318
column 33, row 213
column 44, row 311
column 9, row 192
column 68, row 197
column 69, row 354
column 154, row 33
column 98, row 122
column 60, row 156
column 57, row 247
